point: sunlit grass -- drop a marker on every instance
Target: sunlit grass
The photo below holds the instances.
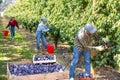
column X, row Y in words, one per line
column 19, row 38
column 12, row 50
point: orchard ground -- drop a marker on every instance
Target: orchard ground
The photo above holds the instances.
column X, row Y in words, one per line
column 23, row 48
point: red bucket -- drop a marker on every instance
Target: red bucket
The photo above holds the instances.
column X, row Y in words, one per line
column 50, row 48
column 5, row 32
column 85, row 79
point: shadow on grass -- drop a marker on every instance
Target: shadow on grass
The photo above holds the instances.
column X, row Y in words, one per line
column 12, row 54
column 3, row 70
column 3, row 67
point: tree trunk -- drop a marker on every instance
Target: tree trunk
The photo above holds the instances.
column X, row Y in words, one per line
column 56, row 38
column 94, row 3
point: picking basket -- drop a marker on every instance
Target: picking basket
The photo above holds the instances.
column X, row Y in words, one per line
column 50, row 48
column 47, row 76
column 85, row 78
column 5, row 32
column 44, row 60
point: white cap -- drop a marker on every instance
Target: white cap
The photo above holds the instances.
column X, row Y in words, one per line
column 44, row 19
column 90, row 28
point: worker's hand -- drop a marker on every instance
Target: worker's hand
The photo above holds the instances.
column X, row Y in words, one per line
column 105, row 46
column 18, row 27
column 50, row 28
column 6, row 27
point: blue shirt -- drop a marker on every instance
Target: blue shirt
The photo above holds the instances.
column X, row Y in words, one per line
column 42, row 27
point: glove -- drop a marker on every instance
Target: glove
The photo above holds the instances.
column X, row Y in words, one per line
column 50, row 28
column 105, row 46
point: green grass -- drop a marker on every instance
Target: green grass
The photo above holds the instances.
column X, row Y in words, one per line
column 12, row 50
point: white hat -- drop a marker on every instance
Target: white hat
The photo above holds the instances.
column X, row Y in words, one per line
column 44, row 19
column 90, row 28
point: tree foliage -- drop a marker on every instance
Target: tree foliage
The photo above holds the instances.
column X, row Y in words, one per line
column 0, row 1
column 67, row 16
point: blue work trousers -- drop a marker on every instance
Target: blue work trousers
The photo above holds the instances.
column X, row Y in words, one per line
column 40, row 36
column 12, row 31
column 76, row 56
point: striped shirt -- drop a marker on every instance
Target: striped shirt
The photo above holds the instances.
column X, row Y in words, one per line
column 82, row 40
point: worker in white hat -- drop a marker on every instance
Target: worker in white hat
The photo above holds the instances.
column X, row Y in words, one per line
column 82, row 40
column 40, row 33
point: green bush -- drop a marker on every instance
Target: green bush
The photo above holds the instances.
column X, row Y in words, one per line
column 0, row 1
column 117, row 60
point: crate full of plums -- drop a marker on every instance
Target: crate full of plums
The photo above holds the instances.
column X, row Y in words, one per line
column 27, row 70
column 44, row 59
column 84, row 76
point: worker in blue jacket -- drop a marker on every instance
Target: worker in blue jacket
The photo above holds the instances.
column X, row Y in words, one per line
column 40, row 33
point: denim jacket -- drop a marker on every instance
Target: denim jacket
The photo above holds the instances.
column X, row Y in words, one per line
column 42, row 27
